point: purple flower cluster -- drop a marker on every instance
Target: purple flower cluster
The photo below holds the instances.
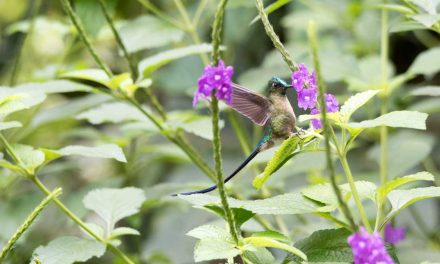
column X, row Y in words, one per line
column 307, row 90
column 394, row 235
column 368, row 248
column 215, row 78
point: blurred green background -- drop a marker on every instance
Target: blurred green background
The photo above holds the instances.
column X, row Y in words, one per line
column 349, row 34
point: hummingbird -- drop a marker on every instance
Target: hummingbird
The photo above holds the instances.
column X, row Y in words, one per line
column 273, row 111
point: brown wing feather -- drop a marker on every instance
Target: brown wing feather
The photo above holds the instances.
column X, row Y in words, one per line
column 250, row 104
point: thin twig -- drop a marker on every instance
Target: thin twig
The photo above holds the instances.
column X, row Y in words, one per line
column 27, row 223
column 274, row 37
column 331, row 170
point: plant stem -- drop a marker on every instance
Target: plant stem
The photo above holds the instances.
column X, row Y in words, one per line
column 199, row 12
column 326, row 125
column 218, row 167
column 17, row 63
column 128, row 57
column 177, row 139
column 27, row 223
column 216, row 142
column 80, row 223
column 355, row 193
column 160, row 14
column 190, row 28
column 383, row 108
column 77, row 23
column 273, row 36
column 239, row 132
column 70, row 214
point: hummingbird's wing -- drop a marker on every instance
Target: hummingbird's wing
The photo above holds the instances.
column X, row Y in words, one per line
column 250, row 104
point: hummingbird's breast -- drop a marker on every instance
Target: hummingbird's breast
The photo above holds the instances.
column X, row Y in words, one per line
column 282, row 118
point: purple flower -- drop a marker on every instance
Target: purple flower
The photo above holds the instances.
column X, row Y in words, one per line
column 307, row 98
column 215, row 78
column 368, row 248
column 394, row 234
column 316, row 123
column 305, row 85
column 331, row 105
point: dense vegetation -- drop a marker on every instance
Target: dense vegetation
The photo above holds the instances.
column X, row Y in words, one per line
column 98, row 130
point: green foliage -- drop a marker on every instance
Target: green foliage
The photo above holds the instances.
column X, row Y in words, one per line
column 113, row 205
column 69, row 249
column 427, row 62
column 146, row 32
column 408, row 119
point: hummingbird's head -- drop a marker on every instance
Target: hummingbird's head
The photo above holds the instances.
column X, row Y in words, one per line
column 277, row 85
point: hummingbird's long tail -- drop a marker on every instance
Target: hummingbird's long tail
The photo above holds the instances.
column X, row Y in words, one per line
column 254, row 153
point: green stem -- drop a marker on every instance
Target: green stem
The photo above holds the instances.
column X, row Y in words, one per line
column 383, row 109
column 17, row 63
column 69, row 213
column 128, row 57
column 326, row 126
column 216, row 142
column 238, row 130
column 199, row 12
column 27, row 223
column 273, row 36
column 190, row 28
column 218, row 167
column 355, row 193
column 77, row 23
column 177, row 139
column 160, row 14
column 80, row 223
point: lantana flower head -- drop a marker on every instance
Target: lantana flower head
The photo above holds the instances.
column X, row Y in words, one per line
column 305, row 86
column 368, row 248
column 215, row 78
column 331, row 105
column 394, row 235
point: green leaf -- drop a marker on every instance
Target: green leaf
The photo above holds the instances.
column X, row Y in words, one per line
column 113, row 205
column 12, row 100
column 324, row 193
column 426, row 19
column 107, row 151
column 90, row 77
column 150, row 64
column 407, row 119
column 355, row 102
column 259, row 256
column 91, row 15
column 429, row 90
column 241, row 215
column 196, row 124
column 8, row 125
column 214, row 243
column 272, row 235
column 6, row 164
column 395, row 7
column 123, row 231
column 429, row 6
column 115, row 112
column 29, row 157
column 280, row 157
column 417, row 146
column 401, row 199
column 328, row 245
column 271, row 8
column 403, row 26
column 146, row 32
column 289, row 203
column 268, row 242
column 69, row 249
column 49, row 87
column 383, row 190
column 426, row 62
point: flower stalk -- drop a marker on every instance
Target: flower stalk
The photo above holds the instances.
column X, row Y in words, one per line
column 27, row 223
column 216, row 40
column 274, row 37
column 326, row 131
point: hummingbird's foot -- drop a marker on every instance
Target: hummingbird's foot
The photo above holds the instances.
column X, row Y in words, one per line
column 299, row 132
